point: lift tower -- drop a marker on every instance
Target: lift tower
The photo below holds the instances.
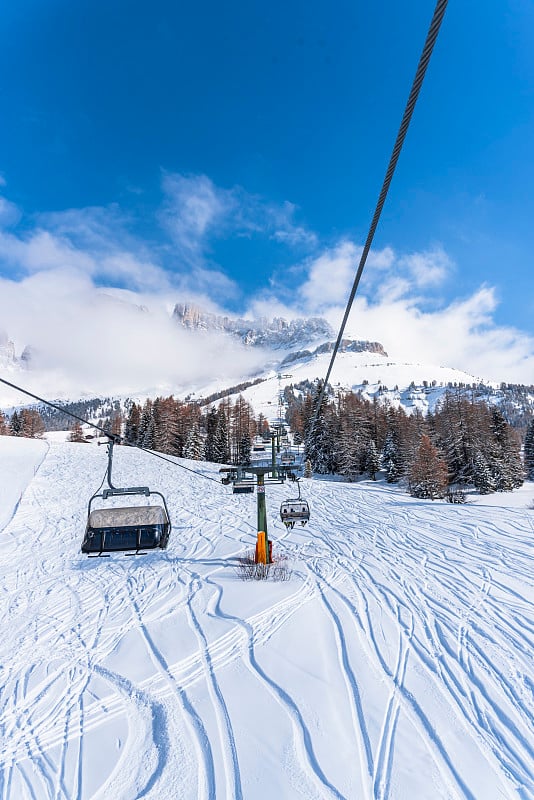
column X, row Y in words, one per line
column 265, row 474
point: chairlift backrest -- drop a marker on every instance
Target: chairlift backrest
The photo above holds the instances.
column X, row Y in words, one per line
column 295, row 510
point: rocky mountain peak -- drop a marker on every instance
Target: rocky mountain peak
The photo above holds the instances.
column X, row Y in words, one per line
column 275, row 334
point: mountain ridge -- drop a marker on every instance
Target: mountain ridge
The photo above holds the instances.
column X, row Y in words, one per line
column 274, row 334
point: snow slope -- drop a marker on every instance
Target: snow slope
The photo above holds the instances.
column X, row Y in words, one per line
column 19, row 460
column 369, row 373
column 396, row 662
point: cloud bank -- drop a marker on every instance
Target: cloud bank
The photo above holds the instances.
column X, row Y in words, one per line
column 94, row 298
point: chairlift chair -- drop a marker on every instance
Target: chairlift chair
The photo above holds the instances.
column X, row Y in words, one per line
column 130, row 529
column 294, row 510
column 287, row 458
column 243, row 487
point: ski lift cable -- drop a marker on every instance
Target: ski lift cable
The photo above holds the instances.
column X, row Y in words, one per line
column 432, row 35
column 117, row 438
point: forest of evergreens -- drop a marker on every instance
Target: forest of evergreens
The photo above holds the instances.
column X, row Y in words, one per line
column 464, row 442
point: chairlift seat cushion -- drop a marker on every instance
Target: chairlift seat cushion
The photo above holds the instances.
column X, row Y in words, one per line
column 127, row 517
column 121, row 529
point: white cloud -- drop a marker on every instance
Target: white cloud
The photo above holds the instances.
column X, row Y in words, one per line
column 194, row 206
column 461, row 334
column 10, row 214
column 429, row 268
column 41, row 250
column 397, row 305
column 330, row 277
column 91, row 341
column 269, row 306
column 87, row 335
column 197, row 211
column 331, row 274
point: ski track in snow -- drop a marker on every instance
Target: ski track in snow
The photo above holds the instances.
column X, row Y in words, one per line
column 397, row 661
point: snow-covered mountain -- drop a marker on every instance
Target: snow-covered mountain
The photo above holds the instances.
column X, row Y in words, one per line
column 293, row 352
column 9, row 361
column 275, row 334
column 371, row 373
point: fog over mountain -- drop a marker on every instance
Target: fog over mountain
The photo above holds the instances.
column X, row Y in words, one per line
column 190, row 351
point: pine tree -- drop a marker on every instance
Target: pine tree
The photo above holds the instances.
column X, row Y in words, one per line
column 15, row 425
column 146, row 420
column 194, row 446
column 211, row 427
column 221, row 439
column 318, row 447
column 507, row 467
column 391, row 458
column 4, row 431
column 373, row 460
column 349, row 450
column 428, row 473
column 243, row 452
column 149, row 435
column 131, row 430
column 482, row 475
column 529, row 451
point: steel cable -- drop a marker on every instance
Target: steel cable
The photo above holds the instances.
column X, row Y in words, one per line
column 433, row 31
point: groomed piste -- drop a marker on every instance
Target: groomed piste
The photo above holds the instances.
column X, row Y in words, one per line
column 396, row 661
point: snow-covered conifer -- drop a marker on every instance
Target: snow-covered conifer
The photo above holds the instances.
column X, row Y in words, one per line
column 194, row 446
column 483, row 478
column 391, row 458
column 243, row 450
column 211, row 427
column 15, row 424
column 131, row 430
column 146, row 419
column 221, row 444
column 372, row 460
column 149, row 435
column 319, row 444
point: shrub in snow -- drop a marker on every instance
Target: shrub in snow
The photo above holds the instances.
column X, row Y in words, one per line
column 248, row 570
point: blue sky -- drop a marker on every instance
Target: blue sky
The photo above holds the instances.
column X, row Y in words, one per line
column 232, row 154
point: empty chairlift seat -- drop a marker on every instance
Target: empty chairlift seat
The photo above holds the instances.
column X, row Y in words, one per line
column 292, row 511
column 121, row 529
column 243, row 487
